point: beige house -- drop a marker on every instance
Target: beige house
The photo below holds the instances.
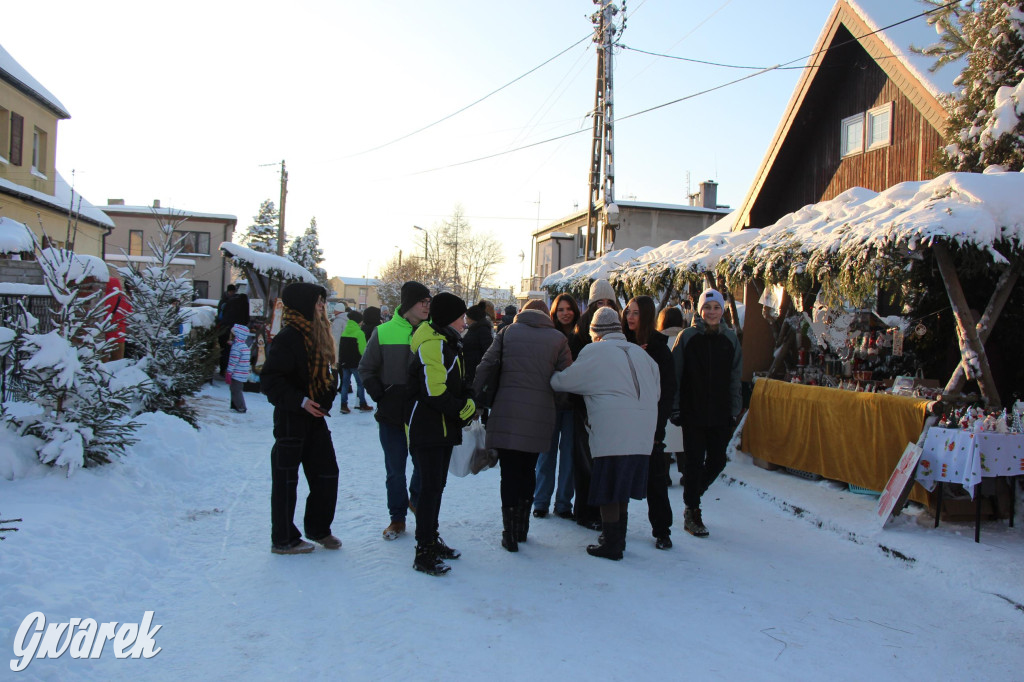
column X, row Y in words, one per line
column 356, row 292
column 31, row 190
column 138, row 227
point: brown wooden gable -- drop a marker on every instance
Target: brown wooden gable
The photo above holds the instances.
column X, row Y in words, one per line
column 804, row 165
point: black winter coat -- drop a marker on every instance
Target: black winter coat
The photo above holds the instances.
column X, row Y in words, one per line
column 475, row 343
column 285, row 377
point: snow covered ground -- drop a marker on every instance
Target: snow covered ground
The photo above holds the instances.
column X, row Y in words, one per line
column 793, row 583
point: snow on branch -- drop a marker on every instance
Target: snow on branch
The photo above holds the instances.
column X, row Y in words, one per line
column 267, row 264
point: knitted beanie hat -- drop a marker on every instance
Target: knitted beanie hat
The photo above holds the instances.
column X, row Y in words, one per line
column 445, row 308
column 511, row 310
column 476, row 312
column 302, row 297
column 710, row 295
column 606, row 321
column 413, row 293
column 355, row 316
column 600, row 290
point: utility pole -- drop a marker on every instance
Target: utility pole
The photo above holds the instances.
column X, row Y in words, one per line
column 602, row 146
column 280, row 219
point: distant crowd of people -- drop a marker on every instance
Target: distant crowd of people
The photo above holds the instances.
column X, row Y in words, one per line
column 579, row 416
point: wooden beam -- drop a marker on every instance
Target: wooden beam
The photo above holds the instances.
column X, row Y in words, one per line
column 966, row 326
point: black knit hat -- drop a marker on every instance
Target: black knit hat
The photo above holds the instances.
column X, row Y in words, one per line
column 413, row 293
column 355, row 316
column 302, row 297
column 511, row 310
column 445, row 308
column 476, row 312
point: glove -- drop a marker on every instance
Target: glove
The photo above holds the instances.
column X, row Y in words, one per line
column 675, row 418
column 468, row 410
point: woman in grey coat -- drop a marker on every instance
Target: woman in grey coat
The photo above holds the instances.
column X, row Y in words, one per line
column 519, row 426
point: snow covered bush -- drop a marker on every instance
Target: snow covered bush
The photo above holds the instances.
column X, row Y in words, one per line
column 55, row 385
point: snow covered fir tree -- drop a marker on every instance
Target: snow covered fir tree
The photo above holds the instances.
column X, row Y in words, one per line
column 56, row 387
column 262, row 234
column 305, row 250
column 986, row 125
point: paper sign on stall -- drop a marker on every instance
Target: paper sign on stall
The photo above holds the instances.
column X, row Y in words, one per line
column 899, row 483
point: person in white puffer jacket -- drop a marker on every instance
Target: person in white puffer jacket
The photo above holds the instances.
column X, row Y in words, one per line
column 621, row 386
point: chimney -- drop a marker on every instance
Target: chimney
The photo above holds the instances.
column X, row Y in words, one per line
column 115, row 202
column 709, row 194
column 156, row 202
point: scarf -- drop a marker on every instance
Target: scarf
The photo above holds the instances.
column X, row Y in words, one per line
column 318, row 364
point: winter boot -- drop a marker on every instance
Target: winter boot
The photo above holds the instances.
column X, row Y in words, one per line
column 523, row 517
column 508, row 534
column 428, row 562
column 624, row 517
column 443, row 550
column 614, row 541
column 693, row 523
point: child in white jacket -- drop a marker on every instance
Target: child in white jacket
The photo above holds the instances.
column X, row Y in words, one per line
column 238, row 366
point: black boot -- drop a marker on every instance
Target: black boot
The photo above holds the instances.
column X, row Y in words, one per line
column 428, row 562
column 443, row 550
column 508, row 535
column 523, row 518
column 624, row 517
column 614, row 541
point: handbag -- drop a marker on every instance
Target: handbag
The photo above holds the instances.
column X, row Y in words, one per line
column 472, row 455
column 490, row 388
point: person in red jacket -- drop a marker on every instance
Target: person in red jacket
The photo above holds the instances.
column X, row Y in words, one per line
column 118, row 308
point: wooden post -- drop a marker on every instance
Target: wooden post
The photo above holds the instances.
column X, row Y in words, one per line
column 966, row 326
column 1004, row 287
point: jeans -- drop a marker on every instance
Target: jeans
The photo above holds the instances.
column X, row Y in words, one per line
column 396, row 452
column 432, row 463
column 346, row 375
column 561, row 446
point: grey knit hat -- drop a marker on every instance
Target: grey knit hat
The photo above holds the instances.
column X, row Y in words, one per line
column 606, row 321
column 600, row 290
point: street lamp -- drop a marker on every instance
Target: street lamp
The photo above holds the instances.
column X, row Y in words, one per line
column 425, row 236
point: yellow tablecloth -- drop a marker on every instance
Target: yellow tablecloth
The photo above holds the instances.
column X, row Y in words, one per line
column 844, row 435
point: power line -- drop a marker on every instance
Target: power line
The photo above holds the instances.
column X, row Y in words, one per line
column 468, row 106
column 761, row 71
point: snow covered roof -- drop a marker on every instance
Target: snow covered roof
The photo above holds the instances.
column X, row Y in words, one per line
column 165, row 211
column 360, row 281
column 149, row 260
column 871, row 234
column 576, row 278
column 62, row 199
column 680, row 261
column 15, row 237
column 15, row 73
column 268, row 264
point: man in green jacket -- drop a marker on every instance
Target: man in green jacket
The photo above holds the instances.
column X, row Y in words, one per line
column 384, row 369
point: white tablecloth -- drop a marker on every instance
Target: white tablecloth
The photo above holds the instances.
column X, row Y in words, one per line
column 965, row 457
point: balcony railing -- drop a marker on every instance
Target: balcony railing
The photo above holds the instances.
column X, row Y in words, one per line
column 531, row 283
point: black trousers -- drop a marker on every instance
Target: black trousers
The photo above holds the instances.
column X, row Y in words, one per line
column 705, row 459
column 431, row 464
column 300, row 439
column 518, row 476
column 659, row 509
column 581, row 466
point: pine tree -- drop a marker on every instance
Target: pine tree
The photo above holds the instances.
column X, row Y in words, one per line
column 175, row 360
column 305, row 250
column 986, row 124
column 85, row 417
column 262, row 234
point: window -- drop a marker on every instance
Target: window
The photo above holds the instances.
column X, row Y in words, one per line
column 195, row 242
column 39, row 152
column 852, row 135
column 5, row 131
column 201, row 288
column 134, row 242
column 17, row 132
column 879, row 126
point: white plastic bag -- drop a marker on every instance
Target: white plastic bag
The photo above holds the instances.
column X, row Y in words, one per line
column 471, row 456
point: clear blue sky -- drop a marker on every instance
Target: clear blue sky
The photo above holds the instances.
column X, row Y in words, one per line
column 183, row 102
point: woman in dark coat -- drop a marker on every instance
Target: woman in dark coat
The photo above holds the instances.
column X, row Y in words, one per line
column 527, row 353
column 478, row 338
column 439, row 407
column 638, row 326
column 299, row 383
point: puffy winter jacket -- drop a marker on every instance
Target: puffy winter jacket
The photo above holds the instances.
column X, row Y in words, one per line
column 707, row 366
column 351, row 345
column 621, row 385
column 285, row 376
column 384, row 369
column 475, row 343
column 241, row 354
column 439, row 401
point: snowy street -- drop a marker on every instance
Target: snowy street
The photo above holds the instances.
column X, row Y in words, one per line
column 181, row 528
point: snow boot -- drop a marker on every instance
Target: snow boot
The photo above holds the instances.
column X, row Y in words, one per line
column 443, row 550
column 508, row 534
column 624, row 517
column 614, row 542
column 428, row 562
column 523, row 519
column 693, row 523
